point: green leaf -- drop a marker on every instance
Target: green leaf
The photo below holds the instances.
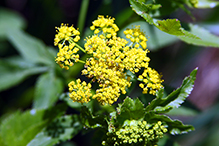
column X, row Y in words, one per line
column 10, row 20
column 182, row 111
column 20, row 128
column 141, row 9
column 173, row 26
column 174, row 126
column 207, row 39
column 207, row 4
column 174, row 99
column 61, row 129
column 156, row 38
column 48, row 88
column 91, row 121
column 31, row 49
column 14, row 70
column 123, row 16
column 170, row 26
column 130, row 109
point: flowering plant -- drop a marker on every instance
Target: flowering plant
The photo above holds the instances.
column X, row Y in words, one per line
column 105, row 84
column 114, row 63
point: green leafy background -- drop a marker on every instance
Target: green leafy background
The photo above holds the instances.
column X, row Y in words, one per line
column 34, row 104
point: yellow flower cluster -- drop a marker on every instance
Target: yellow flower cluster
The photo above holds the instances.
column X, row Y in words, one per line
column 65, row 39
column 137, row 37
column 110, row 58
column 105, row 27
column 136, row 133
column 151, row 80
column 80, row 92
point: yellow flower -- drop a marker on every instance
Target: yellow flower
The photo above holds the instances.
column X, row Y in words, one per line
column 66, row 33
column 136, row 133
column 152, row 81
column 136, row 36
column 65, row 39
column 110, row 58
column 80, row 92
column 105, row 25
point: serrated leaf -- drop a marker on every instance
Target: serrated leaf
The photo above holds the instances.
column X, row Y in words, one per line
column 170, row 26
column 31, row 49
column 130, row 109
column 14, row 70
column 91, row 121
column 10, row 20
column 19, row 128
column 207, row 39
column 62, row 129
column 174, row 126
column 174, row 99
column 142, row 10
column 48, row 88
column 207, row 4
column 173, row 26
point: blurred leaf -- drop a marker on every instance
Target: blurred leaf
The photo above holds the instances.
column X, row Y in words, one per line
column 10, row 20
column 207, row 3
column 130, row 109
column 2, row 142
column 174, row 126
column 169, row 6
column 156, row 38
column 32, row 49
column 62, row 129
column 42, row 139
column 20, row 128
column 14, row 70
column 182, row 111
column 174, row 99
column 123, row 16
column 91, row 121
column 212, row 138
column 207, row 39
column 48, row 88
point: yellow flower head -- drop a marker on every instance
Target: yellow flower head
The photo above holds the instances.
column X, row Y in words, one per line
column 80, row 92
column 65, row 39
column 137, row 37
column 136, row 133
column 105, row 26
column 109, row 59
column 66, row 33
column 151, row 81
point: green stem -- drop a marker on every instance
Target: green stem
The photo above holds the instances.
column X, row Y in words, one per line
column 81, row 61
column 82, row 49
column 82, row 14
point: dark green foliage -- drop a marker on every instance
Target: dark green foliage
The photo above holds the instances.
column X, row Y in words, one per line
column 20, row 128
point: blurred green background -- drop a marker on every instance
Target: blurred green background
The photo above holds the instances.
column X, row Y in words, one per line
column 170, row 56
